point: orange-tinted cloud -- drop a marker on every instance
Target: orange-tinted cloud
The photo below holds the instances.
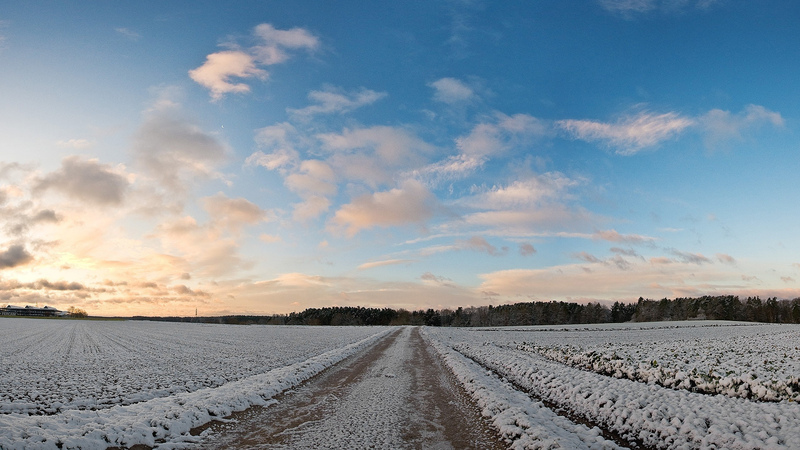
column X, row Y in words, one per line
column 412, row 203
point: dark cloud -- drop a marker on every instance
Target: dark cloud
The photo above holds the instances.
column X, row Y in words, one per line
column 16, row 255
column 480, row 244
column 588, row 257
column 691, row 258
column 526, row 249
column 86, row 180
column 625, row 251
column 57, row 285
column 45, row 215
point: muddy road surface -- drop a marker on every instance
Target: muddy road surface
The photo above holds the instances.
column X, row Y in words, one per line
column 393, row 395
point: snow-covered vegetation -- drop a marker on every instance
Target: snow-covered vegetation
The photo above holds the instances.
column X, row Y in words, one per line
column 90, row 384
column 643, row 382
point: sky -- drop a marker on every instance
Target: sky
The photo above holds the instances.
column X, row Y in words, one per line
column 263, row 157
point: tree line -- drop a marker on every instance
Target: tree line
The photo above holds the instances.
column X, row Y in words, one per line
column 726, row 307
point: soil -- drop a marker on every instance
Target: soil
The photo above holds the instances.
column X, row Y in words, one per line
column 395, row 394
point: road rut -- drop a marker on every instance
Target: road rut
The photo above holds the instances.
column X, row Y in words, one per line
column 394, row 395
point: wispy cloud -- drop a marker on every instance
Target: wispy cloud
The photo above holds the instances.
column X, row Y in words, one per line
column 630, row 9
column 492, row 138
column 78, row 144
column 480, row 244
column 451, row 90
column 334, row 100
column 720, row 127
column 615, row 236
column 385, row 262
column 3, row 25
column 532, row 190
column 611, row 280
column 128, row 33
column 629, row 134
column 725, row 259
column 691, row 258
column 453, row 167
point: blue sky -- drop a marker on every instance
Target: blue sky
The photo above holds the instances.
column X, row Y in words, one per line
column 266, row 157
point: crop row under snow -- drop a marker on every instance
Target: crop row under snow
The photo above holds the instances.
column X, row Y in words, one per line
column 754, row 361
column 648, row 413
column 52, row 366
column 523, row 422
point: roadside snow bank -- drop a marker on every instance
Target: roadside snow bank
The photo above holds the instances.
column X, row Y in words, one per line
column 523, row 422
column 164, row 421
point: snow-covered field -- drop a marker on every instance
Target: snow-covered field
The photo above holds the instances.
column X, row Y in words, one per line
column 614, row 376
column 677, row 385
column 90, row 384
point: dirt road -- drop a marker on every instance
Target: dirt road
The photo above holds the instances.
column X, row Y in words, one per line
column 394, row 395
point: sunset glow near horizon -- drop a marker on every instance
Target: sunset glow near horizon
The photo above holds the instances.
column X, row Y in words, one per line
column 260, row 157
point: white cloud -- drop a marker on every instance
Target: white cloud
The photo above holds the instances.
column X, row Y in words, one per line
column 333, row 100
column 629, row 134
column 314, row 177
column 217, row 71
column 215, row 74
column 451, row 90
column 310, row 208
column 282, row 141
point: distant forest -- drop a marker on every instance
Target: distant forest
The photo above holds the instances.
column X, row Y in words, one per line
column 725, row 307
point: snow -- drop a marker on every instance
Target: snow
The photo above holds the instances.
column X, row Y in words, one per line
column 523, row 422
column 83, row 384
column 642, row 409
